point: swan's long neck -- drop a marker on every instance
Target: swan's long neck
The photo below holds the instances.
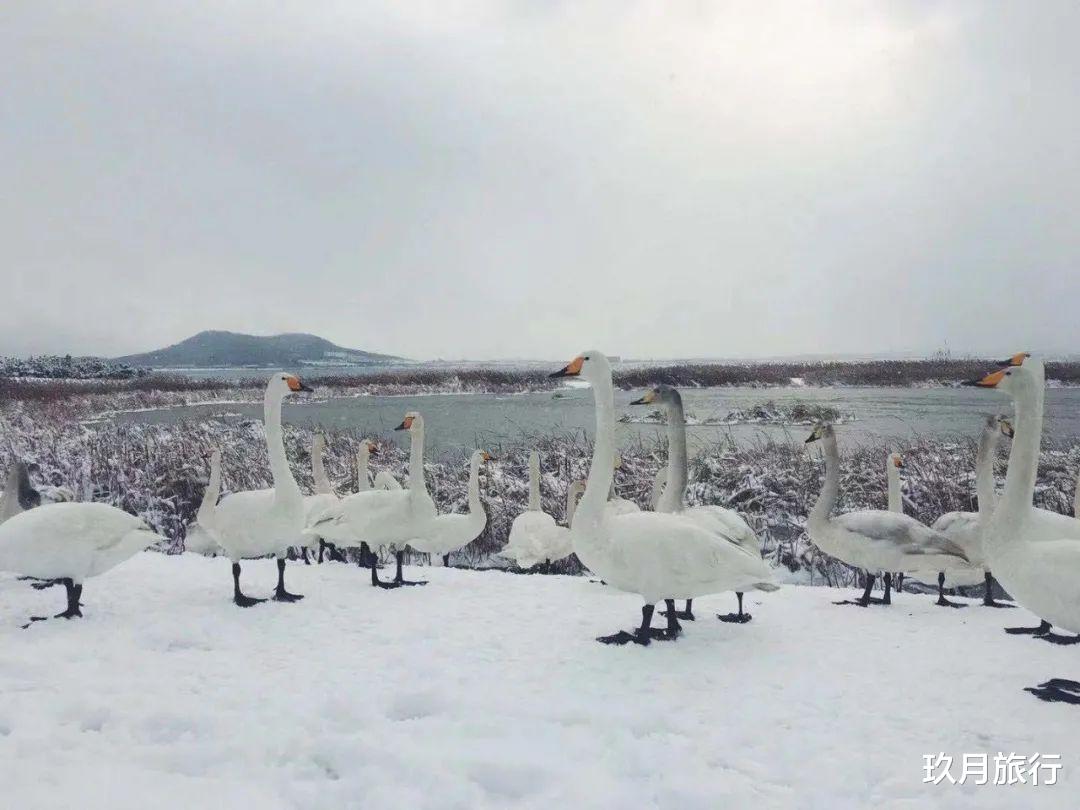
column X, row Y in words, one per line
column 896, row 502
column 534, row 481
column 1015, row 502
column 207, row 508
column 9, row 501
column 675, row 489
column 590, row 511
column 318, row 471
column 1076, row 499
column 475, row 507
column 984, row 471
column 572, row 496
column 285, row 486
column 416, row 456
column 830, row 489
column 362, row 456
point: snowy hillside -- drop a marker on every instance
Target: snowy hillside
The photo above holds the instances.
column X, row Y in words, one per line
column 486, row 690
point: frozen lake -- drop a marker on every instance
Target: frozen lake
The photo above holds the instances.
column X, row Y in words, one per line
column 467, row 420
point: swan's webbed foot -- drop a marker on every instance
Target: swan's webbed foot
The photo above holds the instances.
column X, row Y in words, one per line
column 623, row 637
column 1041, row 630
column 1057, row 690
column 245, row 601
column 743, row 618
column 280, row 594
column 855, row 602
column 41, row 585
column 990, row 603
column 1060, row 640
column 943, row 602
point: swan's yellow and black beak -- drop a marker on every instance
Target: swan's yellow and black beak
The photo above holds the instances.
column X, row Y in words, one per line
column 373, row 449
column 572, row 369
column 648, row 399
column 486, row 456
column 1016, row 360
column 1007, row 428
column 898, row 462
column 989, row 381
column 295, row 385
column 406, row 423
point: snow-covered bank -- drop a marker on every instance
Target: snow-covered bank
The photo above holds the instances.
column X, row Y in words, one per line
column 486, row 690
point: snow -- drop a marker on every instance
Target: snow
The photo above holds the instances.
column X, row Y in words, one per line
column 486, row 690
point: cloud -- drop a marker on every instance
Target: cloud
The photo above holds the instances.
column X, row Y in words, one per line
column 520, row 179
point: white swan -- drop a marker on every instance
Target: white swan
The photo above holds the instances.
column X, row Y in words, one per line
column 264, row 521
column 392, row 517
column 71, row 542
column 966, row 528
column 445, row 534
column 874, row 540
column 673, row 491
column 535, row 538
column 199, row 539
column 314, row 505
column 19, row 494
column 658, row 556
column 383, row 479
column 1033, row 553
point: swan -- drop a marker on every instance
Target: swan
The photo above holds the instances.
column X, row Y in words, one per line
column 873, row 540
column 960, row 575
column 658, row 484
column 199, row 539
column 383, row 479
column 19, row 494
column 658, row 556
column 264, row 521
column 70, row 543
column 966, row 528
column 445, row 534
column 535, row 538
column 393, row 517
column 1033, row 553
column 316, row 504
column 671, row 497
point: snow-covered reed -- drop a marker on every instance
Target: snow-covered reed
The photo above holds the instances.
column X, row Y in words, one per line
column 158, row 471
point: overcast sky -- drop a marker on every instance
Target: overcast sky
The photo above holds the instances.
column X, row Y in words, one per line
column 527, row 179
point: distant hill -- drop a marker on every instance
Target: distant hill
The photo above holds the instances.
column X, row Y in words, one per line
column 215, row 349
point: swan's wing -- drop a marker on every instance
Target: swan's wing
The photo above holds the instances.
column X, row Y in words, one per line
column 621, row 506
column 898, row 533
column 729, row 522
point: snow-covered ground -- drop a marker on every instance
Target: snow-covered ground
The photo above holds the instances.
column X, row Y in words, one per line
column 486, row 690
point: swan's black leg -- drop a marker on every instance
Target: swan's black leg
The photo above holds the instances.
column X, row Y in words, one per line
column 863, row 600
column 399, row 578
column 322, row 549
column 941, row 600
column 674, row 629
column 736, row 618
column 280, row 594
column 446, row 560
column 887, row 598
column 73, row 593
column 238, row 597
column 1041, row 630
column 303, row 553
column 375, row 581
column 900, row 582
column 640, row 636
column 988, row 594
column 1057, row 690
column 686, row 615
